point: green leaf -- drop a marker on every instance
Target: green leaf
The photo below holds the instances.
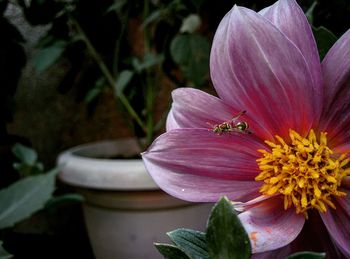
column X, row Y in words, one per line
column 307, row 255
column 153, row 17
column 123, row 80
column 25, row 154
column 29, row 170
column 95, row 91
column 64, row 199
column 148, row 61
column 23, row 198
column 92, row 94
column 48, row 55
column 171, row 251
column 192, row 242
column 116, row 7
column 324, row 39
column 191, row 53
column 191, row 23
column 3, row 253
column 310, row 12
column 226, row 237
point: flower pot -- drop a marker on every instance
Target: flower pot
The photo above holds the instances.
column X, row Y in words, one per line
column 125, row 212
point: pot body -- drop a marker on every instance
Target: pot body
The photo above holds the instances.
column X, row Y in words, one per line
column 125, row 212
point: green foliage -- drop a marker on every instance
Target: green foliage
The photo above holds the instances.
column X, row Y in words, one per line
column 48, row 55
column 310, row 12
column 63, row 199
column 324, row 39
column 225, row 235
column 171, row 251
column 122, row 81
column 191, row 53
column 94, row 92
column 307, row 255
column 28, row 164
column 191, row 23
column 193, row 243
column 26, row 196
column 148, row 61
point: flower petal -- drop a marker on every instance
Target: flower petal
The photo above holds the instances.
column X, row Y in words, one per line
column 290, row 19
column 282, row 252
column 255, row 67
column 270, row 226
column 336, row 70
column 193, row 108
column 313, row 237
column 337, row 223
column 199, row 165
column 171, row 122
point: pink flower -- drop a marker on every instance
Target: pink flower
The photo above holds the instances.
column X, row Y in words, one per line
column 289, row 178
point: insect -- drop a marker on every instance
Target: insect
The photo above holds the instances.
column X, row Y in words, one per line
column 232, row 125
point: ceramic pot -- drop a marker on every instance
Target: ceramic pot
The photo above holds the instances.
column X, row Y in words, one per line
column 125, row 211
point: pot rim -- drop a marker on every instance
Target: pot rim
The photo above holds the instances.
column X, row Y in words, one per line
column 79, row 167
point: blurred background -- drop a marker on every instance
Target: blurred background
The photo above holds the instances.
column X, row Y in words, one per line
column 73, row 72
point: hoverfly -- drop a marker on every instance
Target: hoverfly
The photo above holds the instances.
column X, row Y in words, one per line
column 232, row 125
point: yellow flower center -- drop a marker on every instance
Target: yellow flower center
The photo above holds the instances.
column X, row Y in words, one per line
column 305, row 171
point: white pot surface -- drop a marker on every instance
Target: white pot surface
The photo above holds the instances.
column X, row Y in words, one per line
column 88, row 166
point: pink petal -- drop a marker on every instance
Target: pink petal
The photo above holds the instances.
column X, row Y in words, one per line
column 337, row 223
column 336, row 69
column 290, row 19
column 193, row 108
column 313, row 237
column 255, row 67
column 199, row 165
column 270, row 226
column 171, row 122
column 282, row 252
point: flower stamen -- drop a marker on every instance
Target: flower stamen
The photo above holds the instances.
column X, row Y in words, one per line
column 305, row 171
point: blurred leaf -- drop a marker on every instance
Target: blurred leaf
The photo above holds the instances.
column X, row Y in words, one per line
column 310, row 12
column 48, row 56
column 191, row 23
column 123, row 80
column 26, row 196
column 29, row 170
column 153, row 17
column 324, row 39
column 68, row 198
column 171, row 251
column 28, row 164
column 92, row 94
column 191, row 242
column 307, row 255
column 148, row 61
column 117, row 6
column 226, row 237
column 191, row 53
column 25, row 154
column 95, row 91
column 3, row 253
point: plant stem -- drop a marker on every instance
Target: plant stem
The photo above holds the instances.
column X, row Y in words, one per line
column 107, row 74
